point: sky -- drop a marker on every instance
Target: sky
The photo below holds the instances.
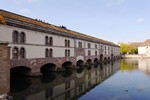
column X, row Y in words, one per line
column 111, row 20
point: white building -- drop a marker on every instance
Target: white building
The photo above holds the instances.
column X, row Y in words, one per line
column 35, row 44
column 144, row 48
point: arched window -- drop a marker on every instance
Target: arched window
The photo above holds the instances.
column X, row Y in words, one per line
column 68, row 43
column 22, row 37
column 89, row 52
column 89, row 45
column 51, row 53
column 15, row 37
column 22, row 53
column 79, row 44
column 95, row 46
column 46, row 52
column 15, row 53
column 96, row 53
column 68, row 53
column 46, row 40
column 50, row 41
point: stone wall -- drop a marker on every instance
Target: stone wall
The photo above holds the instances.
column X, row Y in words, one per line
column 4, row 69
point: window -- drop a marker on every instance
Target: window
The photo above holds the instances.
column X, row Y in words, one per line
column 46, row 40
column 50, row 41
column 15, row 53
column 22, row 53
column 89, row 52
column 96, row 53
column 80, row 44
column 51, row 53
column 46, row 52
column 22, row 37
column 95, row 46
column 68, row 53
column 89, row 45
column 105, row 52
column 66, row 43
column 15, row 36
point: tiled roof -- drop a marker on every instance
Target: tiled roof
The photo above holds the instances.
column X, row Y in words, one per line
column 138, row 44
column 6, row 14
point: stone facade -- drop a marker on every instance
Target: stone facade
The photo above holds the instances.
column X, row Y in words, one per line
column 4, row 68
column 67, row 46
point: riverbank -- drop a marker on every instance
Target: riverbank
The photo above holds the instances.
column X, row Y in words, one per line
column 133, row 56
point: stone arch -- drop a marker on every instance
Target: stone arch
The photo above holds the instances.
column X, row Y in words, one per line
column 80, row 73
column 67, row 73
column 24, row 83
column 48, row 68
column 80, row 63
column 20, row 70
column 79, row 58
column 67, row 65
column 96, row 60
column 48, row 77
column 108, row 58
column 101, row 57
column 89, row 61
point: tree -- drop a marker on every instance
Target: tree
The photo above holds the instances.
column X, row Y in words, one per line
column 127, row 48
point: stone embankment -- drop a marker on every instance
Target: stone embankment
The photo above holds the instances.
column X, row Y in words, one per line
column 135, row 56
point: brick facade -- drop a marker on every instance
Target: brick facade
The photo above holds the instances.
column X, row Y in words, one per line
column 4, row 68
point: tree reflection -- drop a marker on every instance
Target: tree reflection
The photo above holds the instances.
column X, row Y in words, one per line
column 127, row 65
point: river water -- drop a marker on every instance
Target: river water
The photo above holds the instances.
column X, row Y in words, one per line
column 115, row 80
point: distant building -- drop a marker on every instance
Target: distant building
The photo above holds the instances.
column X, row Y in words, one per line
column 143, row 47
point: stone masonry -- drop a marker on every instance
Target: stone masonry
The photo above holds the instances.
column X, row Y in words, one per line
column 4, row 69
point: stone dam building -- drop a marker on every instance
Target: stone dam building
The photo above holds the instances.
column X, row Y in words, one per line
column 30, row 47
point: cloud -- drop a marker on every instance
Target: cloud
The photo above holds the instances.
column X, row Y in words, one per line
column 110, row 3
column 140, row 20
column 25, row 11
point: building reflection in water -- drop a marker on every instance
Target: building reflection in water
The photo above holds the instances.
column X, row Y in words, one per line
column 62, row 86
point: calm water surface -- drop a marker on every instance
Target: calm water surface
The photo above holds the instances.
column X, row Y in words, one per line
column 116, row 80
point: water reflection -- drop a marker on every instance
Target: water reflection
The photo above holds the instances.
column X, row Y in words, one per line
column 134, row 64
column 132, row 82
column 62, row 86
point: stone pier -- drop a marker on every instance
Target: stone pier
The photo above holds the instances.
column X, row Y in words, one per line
column 4, row 70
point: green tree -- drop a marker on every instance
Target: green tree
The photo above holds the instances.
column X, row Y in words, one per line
column 127, row 48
